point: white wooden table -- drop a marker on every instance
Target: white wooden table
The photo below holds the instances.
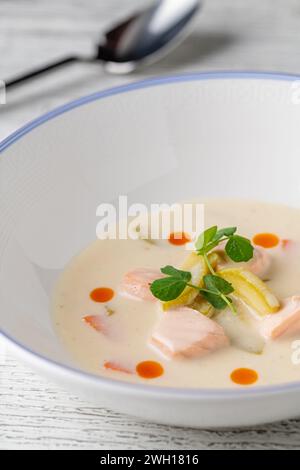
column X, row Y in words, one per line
column 231, row 34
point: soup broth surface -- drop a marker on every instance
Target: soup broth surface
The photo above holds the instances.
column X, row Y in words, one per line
column 131, row 322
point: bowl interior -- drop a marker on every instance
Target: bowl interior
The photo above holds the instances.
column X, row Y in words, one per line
column 185, row 138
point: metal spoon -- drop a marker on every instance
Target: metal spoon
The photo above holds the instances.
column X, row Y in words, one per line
column 143, row 38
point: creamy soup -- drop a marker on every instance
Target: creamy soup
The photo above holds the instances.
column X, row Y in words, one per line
column 109, row 334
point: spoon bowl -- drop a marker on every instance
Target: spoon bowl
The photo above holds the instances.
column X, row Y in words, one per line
column 147, row 36
column 143, row 38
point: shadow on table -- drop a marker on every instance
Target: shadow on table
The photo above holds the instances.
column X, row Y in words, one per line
column 196, row 49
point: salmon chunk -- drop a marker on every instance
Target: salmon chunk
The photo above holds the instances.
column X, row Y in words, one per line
column 260, row 263
column 286, row 320
column 96, row 322
column 136, row 283
column 184, row 332
column 117, row 367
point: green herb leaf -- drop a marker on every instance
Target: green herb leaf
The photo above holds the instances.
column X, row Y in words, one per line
column 177, row 273
column 208, row 247
column 216, row 291
column 217, row 284
column 209, row 239
column 167, row 288
column 215, row 300
column 225, row 232
column 206, row 237
column 239, row 248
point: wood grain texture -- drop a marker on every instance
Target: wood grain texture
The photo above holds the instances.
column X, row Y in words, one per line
column 229, row 34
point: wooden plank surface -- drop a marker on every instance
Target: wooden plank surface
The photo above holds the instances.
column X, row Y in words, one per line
column 231, row 35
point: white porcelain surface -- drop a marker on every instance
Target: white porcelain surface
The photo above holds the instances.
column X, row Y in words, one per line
column 153, row 141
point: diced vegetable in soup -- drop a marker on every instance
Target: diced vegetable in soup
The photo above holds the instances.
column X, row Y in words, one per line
column 225, row 313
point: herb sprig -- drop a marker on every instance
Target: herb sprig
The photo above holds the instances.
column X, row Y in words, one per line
column 216, row 290
column 237, row 248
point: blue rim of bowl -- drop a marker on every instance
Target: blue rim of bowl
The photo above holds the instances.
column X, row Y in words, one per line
column 159, row 391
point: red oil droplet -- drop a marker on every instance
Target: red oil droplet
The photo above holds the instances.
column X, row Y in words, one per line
column 149, row 369
column 244, row 376
column 179, row 238
column 102, row 294
column 266, row 240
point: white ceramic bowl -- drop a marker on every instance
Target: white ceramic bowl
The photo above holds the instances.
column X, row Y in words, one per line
column 156, row 141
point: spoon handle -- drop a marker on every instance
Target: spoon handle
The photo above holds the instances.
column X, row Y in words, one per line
column 35, row 72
